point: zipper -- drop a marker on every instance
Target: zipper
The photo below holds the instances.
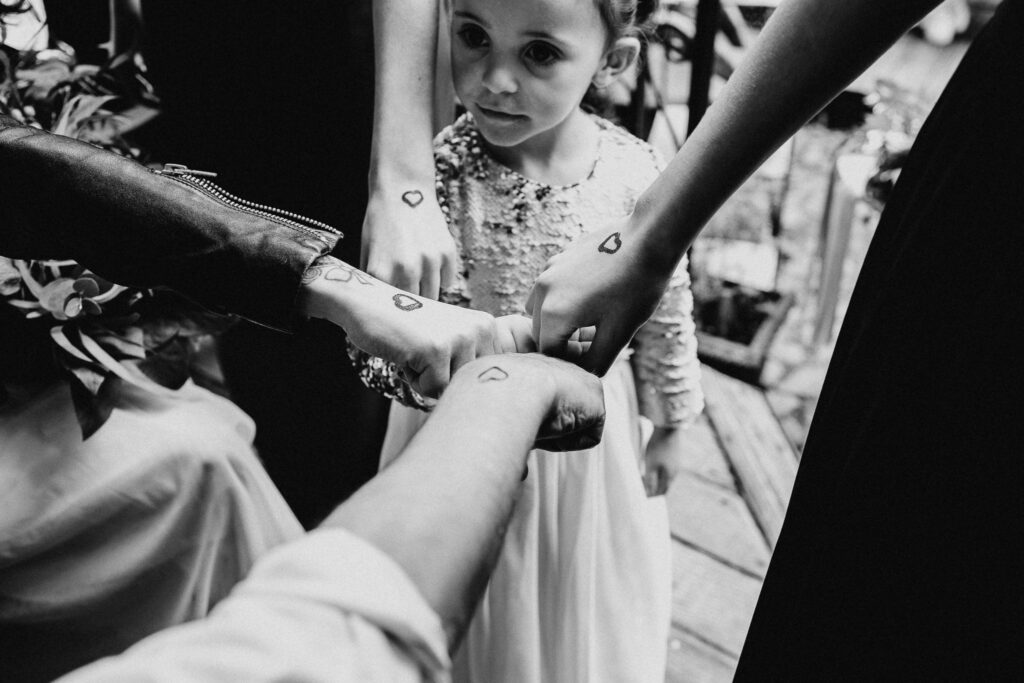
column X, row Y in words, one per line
column 200, row 180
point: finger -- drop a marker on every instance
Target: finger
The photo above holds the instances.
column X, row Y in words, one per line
column 608, row 342
column 551, row 331
column 578, row 440
column 448, row 270
column 584, row 334
column 552, row 336
column 433, row 380
column 505, row 339
column 577, row 422
column 462, row 355
column 519, row 329
column 575, row 350
column 579, row 343
column 495, row 341
column 531, row 302
column 430, row 280
column 650, row 483
column 403, row 277
column 665, row 480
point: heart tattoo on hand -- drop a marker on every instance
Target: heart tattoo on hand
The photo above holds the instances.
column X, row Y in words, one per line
column 492, row 374
column 405, row 302
column 611, row 244
column 412, row 197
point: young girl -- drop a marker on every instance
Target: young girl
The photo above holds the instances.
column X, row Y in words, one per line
column 581, row 591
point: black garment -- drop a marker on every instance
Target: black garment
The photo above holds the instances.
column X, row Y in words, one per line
column 61, row 198
column 278, row 99
column 902, row 554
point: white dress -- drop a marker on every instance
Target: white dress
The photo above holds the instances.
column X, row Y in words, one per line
column 148, row 523
column 582, row 589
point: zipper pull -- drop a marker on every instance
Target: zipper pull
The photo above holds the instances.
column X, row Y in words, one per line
column 181, row 169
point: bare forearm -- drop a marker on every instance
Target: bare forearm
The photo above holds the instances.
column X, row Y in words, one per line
column 405, row 37
column 440, row 510
column 428, row 340
column 808, row 52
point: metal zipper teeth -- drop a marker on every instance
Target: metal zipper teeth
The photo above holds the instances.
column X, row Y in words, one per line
column 224, row 195
column 287, row 218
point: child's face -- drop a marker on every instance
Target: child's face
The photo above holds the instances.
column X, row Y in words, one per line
column 521, row 67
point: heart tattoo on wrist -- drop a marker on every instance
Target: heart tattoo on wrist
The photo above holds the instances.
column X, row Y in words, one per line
column 412, row 197
column 492, row 374
column 611, row 244
column 404, row 302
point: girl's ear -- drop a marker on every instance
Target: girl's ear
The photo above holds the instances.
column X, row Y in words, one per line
column 619, row 57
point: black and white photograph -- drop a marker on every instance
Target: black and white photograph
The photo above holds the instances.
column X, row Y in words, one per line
column 511, row 341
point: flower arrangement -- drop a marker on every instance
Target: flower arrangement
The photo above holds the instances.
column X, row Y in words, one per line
column 103, row 333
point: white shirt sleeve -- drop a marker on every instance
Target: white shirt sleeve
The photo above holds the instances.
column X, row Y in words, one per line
column 329, row 607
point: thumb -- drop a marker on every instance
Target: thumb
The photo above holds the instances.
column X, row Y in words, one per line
column 531, row 301
column 447, row 271
column 553, row 336
column 608, row 342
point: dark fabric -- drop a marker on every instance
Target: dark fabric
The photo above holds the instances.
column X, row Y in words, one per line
column 278, row 99
column 902, row 554
column 66, row 199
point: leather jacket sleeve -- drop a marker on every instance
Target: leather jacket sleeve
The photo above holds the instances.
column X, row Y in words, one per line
column 60, row 198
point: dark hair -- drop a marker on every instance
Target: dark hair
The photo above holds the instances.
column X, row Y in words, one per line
column 622, row 18
column 626, row 17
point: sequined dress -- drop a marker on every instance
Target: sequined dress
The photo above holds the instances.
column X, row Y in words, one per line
column 582, row 590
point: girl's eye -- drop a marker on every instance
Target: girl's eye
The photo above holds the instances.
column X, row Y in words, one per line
column 542, row 54
column 472, row 36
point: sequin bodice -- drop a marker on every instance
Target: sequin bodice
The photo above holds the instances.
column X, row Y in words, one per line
column 507, row 226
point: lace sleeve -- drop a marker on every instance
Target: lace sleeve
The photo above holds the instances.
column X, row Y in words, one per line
column 665, row 358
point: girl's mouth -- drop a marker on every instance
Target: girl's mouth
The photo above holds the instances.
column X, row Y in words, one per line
column 498, row 115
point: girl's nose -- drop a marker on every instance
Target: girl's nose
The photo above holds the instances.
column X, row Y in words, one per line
column 499, row 78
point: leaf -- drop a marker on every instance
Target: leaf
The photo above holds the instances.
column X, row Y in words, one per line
column 77, row 113
column 10, row 277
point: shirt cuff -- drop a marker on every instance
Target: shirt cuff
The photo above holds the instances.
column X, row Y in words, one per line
column 336, row 568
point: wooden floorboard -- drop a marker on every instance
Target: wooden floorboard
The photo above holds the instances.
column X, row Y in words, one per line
column 737, row 471
column 691, row 660
column 702, row 455
column 717, row 522
column 759, row 454
column 712, row 601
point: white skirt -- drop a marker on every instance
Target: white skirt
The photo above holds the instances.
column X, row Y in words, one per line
column 582, row 589
column 148, row 523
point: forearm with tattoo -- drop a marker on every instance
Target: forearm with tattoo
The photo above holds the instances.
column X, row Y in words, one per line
column 334, row 270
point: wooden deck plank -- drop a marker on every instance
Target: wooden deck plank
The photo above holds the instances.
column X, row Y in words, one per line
column 761, row 456
column 716, row 521
column 692, row 661
column 711, row 600
column 703, row 456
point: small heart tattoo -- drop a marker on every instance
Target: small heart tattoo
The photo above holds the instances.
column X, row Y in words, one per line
column 405, row 302
column 412, row 197
column 492, row 374
column 611, row 244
